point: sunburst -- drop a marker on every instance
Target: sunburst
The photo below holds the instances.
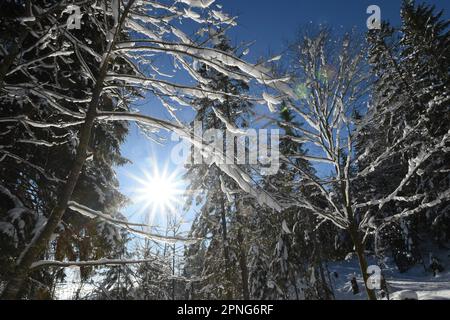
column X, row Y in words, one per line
column 158, row 192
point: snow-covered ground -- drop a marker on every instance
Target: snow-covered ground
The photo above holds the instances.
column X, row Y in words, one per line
column 416, row 280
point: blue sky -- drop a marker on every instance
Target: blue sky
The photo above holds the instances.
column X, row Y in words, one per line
column 271, row 24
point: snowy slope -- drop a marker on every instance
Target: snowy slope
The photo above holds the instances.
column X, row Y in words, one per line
column 417, row 279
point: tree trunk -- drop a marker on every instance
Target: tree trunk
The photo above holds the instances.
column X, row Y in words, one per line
column 226, row 253
column 323, row 281
column 242, row 251
column 40, row 242
column 359, row 248
column 243, row 266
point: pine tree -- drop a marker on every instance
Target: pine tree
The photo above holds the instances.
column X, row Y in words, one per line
column 425, row 54
column 220, row 218
column 408, row 112
column 118, row 282
column 294, row 249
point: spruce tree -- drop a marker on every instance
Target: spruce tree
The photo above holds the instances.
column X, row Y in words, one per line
column 218, row 218
column 409, row 111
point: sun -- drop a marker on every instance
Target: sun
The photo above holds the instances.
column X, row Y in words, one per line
column 161, row 191
column 157, row 191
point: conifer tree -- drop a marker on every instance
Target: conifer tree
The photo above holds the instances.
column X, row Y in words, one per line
column 408, row 110
column 219, row 218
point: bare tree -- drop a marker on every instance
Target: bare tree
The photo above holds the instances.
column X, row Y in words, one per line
column 332, row 85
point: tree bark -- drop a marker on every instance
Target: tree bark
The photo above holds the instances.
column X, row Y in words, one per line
column 359, row 248
column 243, row 265
column 226, row 253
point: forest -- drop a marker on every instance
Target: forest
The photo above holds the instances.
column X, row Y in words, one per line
column 319, row 172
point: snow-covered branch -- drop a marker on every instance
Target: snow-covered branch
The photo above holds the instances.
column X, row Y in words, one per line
column 131, row 227
column 40, row 124
column 91, row 263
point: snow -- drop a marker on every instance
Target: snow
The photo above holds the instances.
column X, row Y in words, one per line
column 181, row 35
column 225, row 190
column 115, row 4
column 405, row 295
column 285, row 227
column 129, row 226
column 415, row 281
column 276, row 58
column 26, row 19
column 198, row 3
column 222, row 17
column 223, row 62
column 272, row 101
column 230, row 127
column 243, row 180
column 100, row 262
column 192, row 15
